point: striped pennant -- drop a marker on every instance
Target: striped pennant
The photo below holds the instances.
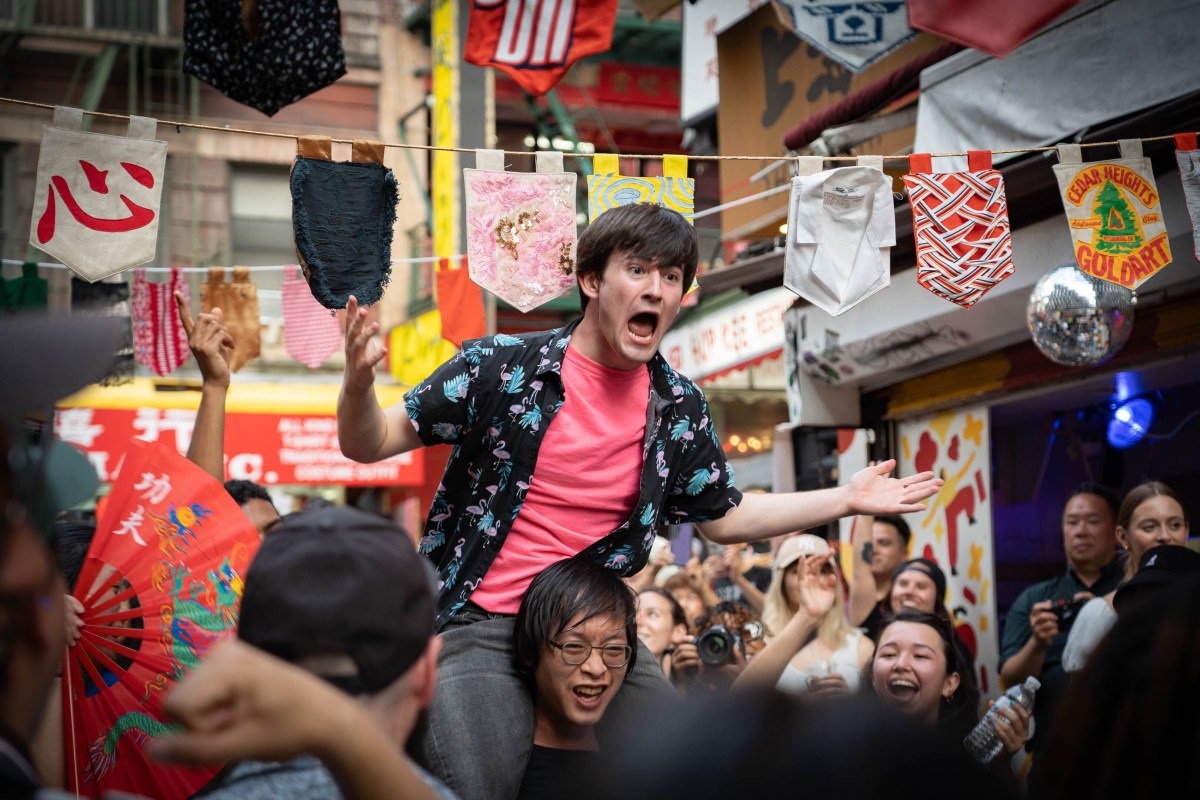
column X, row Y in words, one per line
column 159, row 341
column 960, row 224
column 607, row 189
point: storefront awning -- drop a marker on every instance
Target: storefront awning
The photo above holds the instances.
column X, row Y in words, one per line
column 733, row 337
column 1107, row 59
column 279, row 433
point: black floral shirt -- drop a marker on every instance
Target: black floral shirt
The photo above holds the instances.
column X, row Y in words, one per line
column 494, row 400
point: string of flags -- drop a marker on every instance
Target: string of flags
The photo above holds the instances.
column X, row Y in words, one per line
column 97, row 201
column 269, row 53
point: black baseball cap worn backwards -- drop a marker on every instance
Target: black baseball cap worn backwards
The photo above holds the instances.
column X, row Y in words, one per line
column 1157, row 567
column 341, row 581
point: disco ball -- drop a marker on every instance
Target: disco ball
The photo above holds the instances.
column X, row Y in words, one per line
column 1077, row 320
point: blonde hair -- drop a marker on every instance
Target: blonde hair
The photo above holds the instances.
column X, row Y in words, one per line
column 832, row 631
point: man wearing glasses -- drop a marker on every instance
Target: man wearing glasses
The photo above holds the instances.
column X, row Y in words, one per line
column 574, row 641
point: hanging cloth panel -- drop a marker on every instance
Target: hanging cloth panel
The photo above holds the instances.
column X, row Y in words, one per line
column 96, row 202
column 960, row 224
column 607, row 189
column 841, row 229
column 108, row 299
column 994, row 28
column 1188, row 157
column 1114, row 214
column 460, row 303
column 311, row 333
column 238, row 301
column 343, row 214
column 159, row 340
column 535, row 42
column 27, row 291
column 521, row 229
column 264, row 53
column 855, row 35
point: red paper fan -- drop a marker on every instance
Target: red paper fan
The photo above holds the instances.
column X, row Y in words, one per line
column 160, row 585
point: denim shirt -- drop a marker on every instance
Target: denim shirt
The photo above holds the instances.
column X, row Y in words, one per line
column 493, row 402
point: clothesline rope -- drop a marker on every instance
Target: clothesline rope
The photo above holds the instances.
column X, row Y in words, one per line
column 431, row 148
column 269, row 268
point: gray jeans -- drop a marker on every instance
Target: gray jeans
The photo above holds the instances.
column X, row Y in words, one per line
column 479, row 731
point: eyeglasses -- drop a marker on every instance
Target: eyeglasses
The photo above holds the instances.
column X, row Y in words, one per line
column 613, row 655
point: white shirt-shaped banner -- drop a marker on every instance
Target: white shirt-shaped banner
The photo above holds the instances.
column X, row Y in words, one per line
column 841, row 230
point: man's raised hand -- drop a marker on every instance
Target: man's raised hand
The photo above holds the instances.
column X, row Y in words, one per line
column 209, row 342
column 362, row 353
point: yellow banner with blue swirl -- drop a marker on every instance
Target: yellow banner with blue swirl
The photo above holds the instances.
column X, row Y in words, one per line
column 607, row 189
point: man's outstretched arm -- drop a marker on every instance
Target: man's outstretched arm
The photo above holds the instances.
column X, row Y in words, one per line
column 366, row 432
column 870, row 491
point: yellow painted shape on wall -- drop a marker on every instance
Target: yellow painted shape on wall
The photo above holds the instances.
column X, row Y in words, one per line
column 975, row 571
column 417, row 348
column 940, row 425
column 973, row 430
column 949, row 488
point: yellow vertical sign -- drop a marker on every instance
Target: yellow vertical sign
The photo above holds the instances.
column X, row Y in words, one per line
column 418, row 348
column 445, row 181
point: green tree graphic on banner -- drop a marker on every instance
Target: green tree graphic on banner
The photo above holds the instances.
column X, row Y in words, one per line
column 1119, row 230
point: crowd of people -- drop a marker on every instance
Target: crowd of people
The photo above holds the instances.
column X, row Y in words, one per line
column 531, row 641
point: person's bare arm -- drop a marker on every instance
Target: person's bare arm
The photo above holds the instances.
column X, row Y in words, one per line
column 870, row 491
column 750, row 593
column 210, row 344
column 242, row 703
column 366, row 432
column 644, row 578
column 766, row 668
column 862, row 580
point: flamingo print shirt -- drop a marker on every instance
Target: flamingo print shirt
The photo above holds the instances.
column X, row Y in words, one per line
column 494, row 401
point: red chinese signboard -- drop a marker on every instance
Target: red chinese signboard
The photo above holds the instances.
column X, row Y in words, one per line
column 265, row 448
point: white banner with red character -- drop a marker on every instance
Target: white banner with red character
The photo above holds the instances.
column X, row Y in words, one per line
column 96, row 204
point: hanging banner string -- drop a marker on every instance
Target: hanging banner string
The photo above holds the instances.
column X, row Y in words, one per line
column 272, row 268
column 293, row 136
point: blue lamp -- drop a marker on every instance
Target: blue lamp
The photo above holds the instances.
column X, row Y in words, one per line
column 1130, row 422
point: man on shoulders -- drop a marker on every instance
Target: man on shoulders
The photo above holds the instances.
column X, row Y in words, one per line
column 1034, row 638
column 580, row 440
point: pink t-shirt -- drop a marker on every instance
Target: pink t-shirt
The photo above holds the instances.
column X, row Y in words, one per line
column 586, row 480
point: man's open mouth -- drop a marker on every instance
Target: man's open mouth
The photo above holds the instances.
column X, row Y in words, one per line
column 644, row 325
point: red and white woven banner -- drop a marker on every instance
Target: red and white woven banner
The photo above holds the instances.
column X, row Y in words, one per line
column 159, row 341
column 960, row 224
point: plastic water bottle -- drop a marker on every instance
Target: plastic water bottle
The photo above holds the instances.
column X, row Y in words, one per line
column 983, row 743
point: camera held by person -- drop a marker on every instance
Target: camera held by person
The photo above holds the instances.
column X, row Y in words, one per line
column 715, row 645
column 1066, row 611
